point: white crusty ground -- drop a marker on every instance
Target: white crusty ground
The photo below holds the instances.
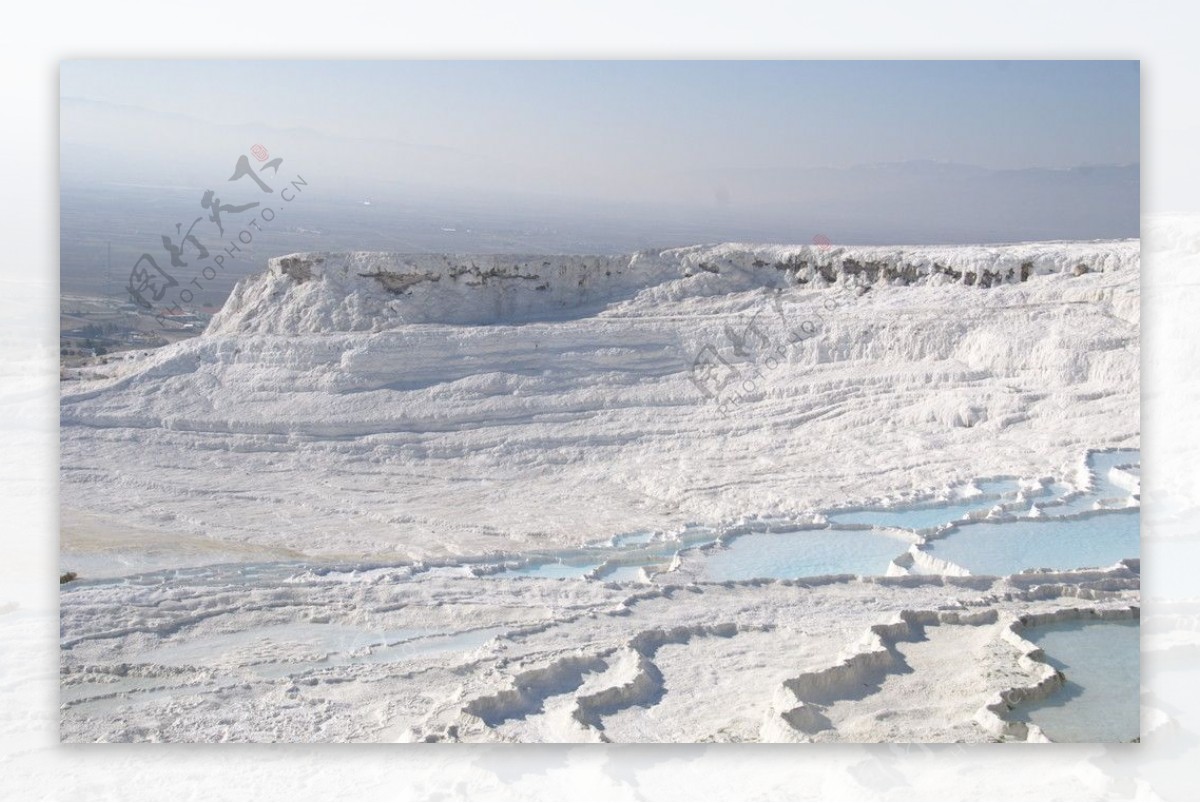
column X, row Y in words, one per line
column 433, row 439
column 385, row 655
column 324, row 417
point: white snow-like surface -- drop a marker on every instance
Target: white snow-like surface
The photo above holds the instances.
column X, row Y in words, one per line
column 368, row 291
column 315, row 417
column 385, row 655
column 476, row 412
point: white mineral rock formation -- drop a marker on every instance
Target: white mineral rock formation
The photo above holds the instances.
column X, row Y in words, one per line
column 381, row 409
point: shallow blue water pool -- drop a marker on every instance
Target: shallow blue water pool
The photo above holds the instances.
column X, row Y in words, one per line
column 1100, row 701
column 551, row 570
column 803, row 553
column 1001, row 548
column 913, row 518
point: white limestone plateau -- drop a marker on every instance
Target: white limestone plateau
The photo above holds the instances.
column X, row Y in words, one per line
column 306, row 524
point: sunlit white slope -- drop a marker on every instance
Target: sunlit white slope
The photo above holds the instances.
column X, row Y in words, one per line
column 425, row 405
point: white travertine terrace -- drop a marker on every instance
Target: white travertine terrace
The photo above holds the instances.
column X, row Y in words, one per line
column 420, row 418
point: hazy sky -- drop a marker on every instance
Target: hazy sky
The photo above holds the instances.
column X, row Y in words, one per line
column 740, row 135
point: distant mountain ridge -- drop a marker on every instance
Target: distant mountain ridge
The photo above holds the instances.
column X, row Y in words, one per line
column 917, row 201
